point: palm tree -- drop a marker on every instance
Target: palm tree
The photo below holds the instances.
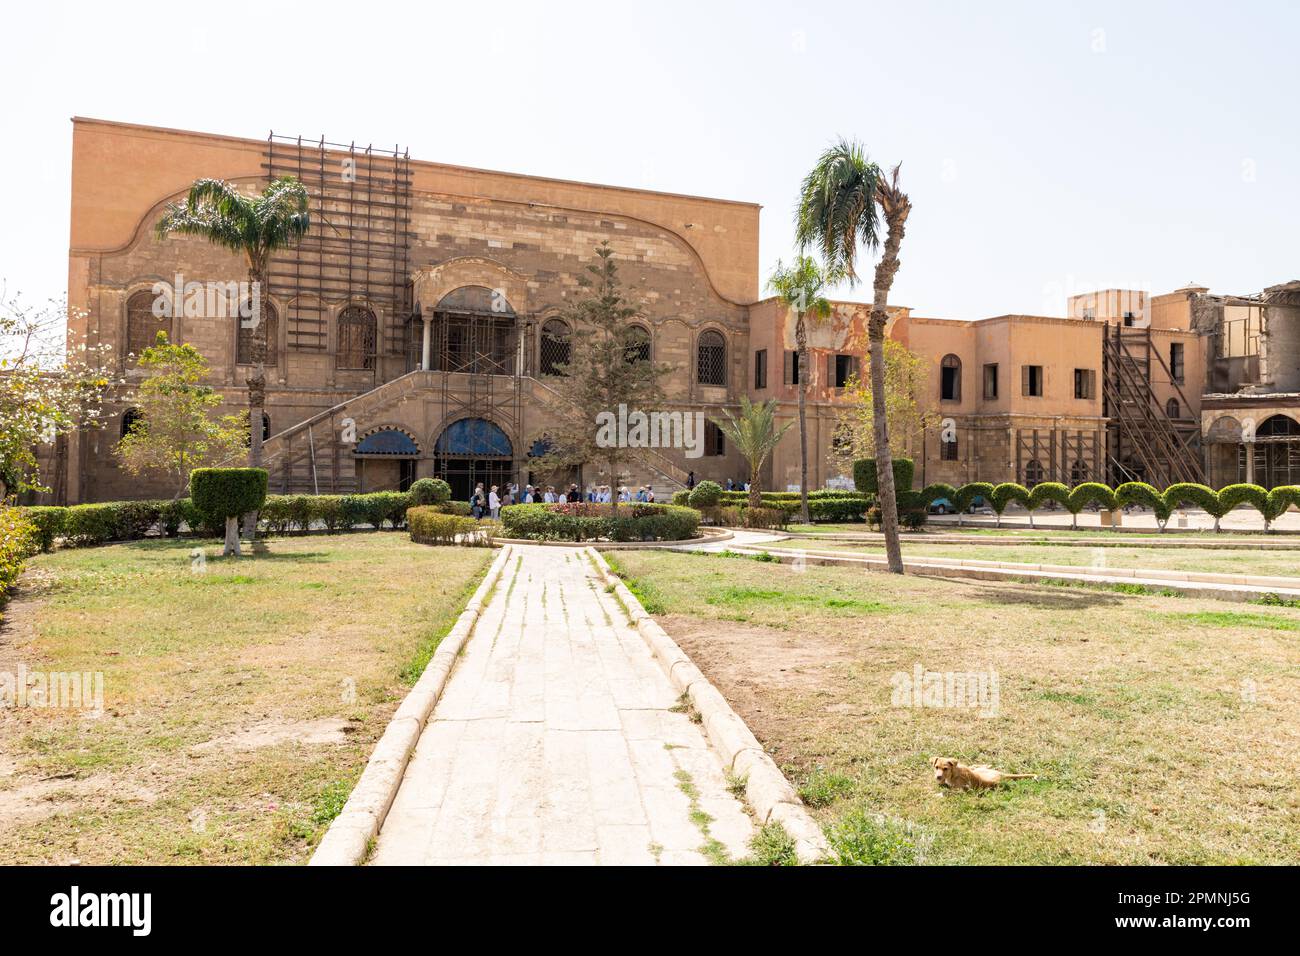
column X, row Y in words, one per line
column 841, row 202
column 800, row 288
column 754, row 433
column 258, row 227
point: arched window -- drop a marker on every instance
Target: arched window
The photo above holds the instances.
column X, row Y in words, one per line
column 356, row 348
column 1278, row 426
column 711, row 359
column 555, row 346
column 142, row 326
column 638, row 344
column 244, row 341
column 950, row 379
column 1033, row 473
column 129, row 418
column 948, row 449
column 1173, row 409
column 266, row 430
column 1078, row 473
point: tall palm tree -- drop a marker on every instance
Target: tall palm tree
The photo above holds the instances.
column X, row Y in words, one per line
column 754, row 433
column 257, row 227
column 841, row 203
column 800, row 288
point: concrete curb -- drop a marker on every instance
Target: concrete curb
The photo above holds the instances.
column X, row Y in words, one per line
column 1156, row 544
column 346, row 841
column 1217, row 587
column 767, row 791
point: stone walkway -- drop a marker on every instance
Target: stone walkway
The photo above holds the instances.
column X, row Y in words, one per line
column 558, row 740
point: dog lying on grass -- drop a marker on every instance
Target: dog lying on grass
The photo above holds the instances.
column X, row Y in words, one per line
column 951, row 773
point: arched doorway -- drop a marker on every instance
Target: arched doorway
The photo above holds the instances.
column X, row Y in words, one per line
column 1277, row 452
column 386, row 460
column 470, row 451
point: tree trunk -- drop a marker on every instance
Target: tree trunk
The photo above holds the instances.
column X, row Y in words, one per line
column 232, row 538
column 801, row 357
column 755, row 491
column 256, row 388
column 896, row 208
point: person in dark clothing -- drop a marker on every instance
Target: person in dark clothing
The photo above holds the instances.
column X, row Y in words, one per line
column 574, row 494
column 690, row 480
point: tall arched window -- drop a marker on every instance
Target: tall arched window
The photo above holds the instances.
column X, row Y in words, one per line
column 950, row 379
column 638, row 347
column 711, row 359
column 1033, row 473
column 356, row 348
column 244, row 341
column 555, row 346
column 1078, row 473
column 142, row 326
column 1173, row 409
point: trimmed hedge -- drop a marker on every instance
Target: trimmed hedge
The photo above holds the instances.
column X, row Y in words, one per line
column 47, row 524
column 429, row 524
column 864, row 475
column 221, row 493
column 585, row 521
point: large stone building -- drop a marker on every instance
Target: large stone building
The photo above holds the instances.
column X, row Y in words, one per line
column 416, row 332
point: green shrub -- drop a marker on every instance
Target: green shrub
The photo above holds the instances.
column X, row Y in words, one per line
column 19, row 540
column 173, row 514
column 430, row 525
column 681, row 498
column 221, row 493
column 837, row 509
column 967, row 494
column 1140, row 493
column 1005, row 493
column 461, row 508
column 390, row 506
column 1278, row 501
column 1198, row 496
column 1089, row 491
column 137, row 518
column 430, row 491
column 939, row 489
column 47, row 523
column 1046, row 491
column 1232, row 496
column 864, row 475
column 586, row 521
column 707, row 494
column 86, row 525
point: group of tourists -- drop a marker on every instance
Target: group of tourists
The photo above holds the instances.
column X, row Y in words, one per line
column 488, row 504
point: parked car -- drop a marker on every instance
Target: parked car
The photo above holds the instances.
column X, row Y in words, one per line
column 942, row 506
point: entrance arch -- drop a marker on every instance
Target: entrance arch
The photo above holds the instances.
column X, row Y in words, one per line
column 470, row 451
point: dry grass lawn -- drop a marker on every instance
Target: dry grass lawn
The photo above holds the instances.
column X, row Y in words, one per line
column 1164, row 730
column 241, row 700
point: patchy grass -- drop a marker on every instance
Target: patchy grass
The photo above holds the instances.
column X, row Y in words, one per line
column 1162, row 729
column 1244, row 560
column 241, row 701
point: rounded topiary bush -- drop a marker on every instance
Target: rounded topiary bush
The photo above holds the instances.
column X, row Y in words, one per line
column 1198, row 496
column 968, row 493
column 707, row 494
column 224, row 494
column 429, row 491
column 1002, row 495
column 1277, row 502
column 1042, row 493
column 1085, row 494
column 1140, row 493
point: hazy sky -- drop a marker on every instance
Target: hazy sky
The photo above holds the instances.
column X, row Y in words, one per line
column 1048, row 147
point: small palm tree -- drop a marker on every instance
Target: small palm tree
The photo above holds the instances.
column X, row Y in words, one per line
column 258, row 227
column 755, row 434
column 800, row 287
column 841, row 203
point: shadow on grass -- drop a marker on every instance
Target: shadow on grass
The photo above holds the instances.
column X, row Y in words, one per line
column 1046, row 596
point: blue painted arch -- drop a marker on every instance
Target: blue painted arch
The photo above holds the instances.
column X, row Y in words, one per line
column 388, row 441
column 474, row 438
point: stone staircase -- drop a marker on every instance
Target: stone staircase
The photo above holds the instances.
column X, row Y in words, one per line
column 312, row 458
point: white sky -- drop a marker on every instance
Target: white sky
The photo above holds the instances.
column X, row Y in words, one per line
column 1049, row 148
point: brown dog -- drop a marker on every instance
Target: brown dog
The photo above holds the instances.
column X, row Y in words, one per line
column 950, row 773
